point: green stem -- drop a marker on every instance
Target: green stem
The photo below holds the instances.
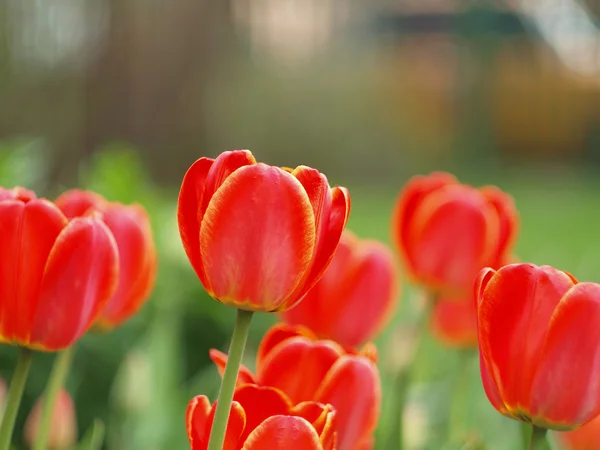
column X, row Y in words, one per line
column 538, row 438
column 15, row 392
column 60, row 370
column 458, row 403
column 236, row 352
column 403, row 380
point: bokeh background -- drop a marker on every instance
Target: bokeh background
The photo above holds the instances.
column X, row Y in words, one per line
column 121, row 96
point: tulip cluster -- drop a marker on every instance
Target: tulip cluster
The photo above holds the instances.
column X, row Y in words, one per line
column 266, row 239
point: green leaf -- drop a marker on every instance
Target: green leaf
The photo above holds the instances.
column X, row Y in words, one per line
column 94, row 437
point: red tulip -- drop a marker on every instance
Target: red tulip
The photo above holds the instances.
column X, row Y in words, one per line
column 56, row 275
column 259, row 236
column 446, row 231
column 454, row 322
column 263, row 418
column 306, row 369
column 539, row 339
column 585, row 438
column 63, row 425
column 356, row 296
column 131, row 229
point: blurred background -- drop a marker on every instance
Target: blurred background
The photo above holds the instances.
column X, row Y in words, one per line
column 121, row 96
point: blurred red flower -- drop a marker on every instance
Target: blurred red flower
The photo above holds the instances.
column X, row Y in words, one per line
column 63, row 425
column 306, row 369
column 356, row 296
column 56, row 275
column 130, row 226
column 259, row 236
column 264, row 418
column 446, row 231
column 586, row 437
column 539, row 340
column 454, row 322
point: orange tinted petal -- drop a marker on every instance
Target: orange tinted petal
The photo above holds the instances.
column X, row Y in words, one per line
column 298, row 365
column 353, row 388
column 491, row 391
column 245, row 376
column 566, row 389
column 259, row 403
column 76, row 203
column 322, row 418
column 80, row 277
column 28, row 230
column 257, row 238
column 189, row 216
column 463, row 213
column 277, row 334
column 408, row 202
column 513, row 315
column 130, row 226
column 283, row 433
column 585, row 438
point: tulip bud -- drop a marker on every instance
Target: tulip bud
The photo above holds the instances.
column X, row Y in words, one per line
column 63, row 425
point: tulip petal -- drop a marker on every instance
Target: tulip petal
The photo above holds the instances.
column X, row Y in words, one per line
column 444, row 213
column 491, row 391
column 257, row 238
column 369, row 291
column 566, row 389
column 81, row 275
column 196, row 420
column 188, row 213
column 513, row 318
column 75, row 203
column 130, row 226
column 236, row 424
column 277, row 334
column 245, row 376
column 225, row 164
column 314, row 357
column 17, row 193
column 454, row 322
column 259, row 403
column 353, row 388
column 338, row 217
column 407, row 204
column 28, row 230
column 322, row 418
column 283, row 433
column 509, row 222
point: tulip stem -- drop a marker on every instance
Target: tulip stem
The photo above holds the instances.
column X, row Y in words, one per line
column 60, row 369
column 236, row 352
column 15, row 393
column 538, row 438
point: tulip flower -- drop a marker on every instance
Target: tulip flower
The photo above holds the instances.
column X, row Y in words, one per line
column 130, row 226
column 539, row 339
column 63, row 432
column 446, row 232
column 264, row 418
column 586, row 437
column 258, row 236
column 356, row 296
column 306, row 369
column 56, row 275
column 454, row 322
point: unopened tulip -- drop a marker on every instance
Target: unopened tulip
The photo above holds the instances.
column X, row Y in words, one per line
column 586, row 437
column 63, row 428
column 56, row 275
column 259, row 236
column 306, row 369
column 130, row 226
column 539, row 340
column 264, row 418
column 446, row 232
column 356, row 296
